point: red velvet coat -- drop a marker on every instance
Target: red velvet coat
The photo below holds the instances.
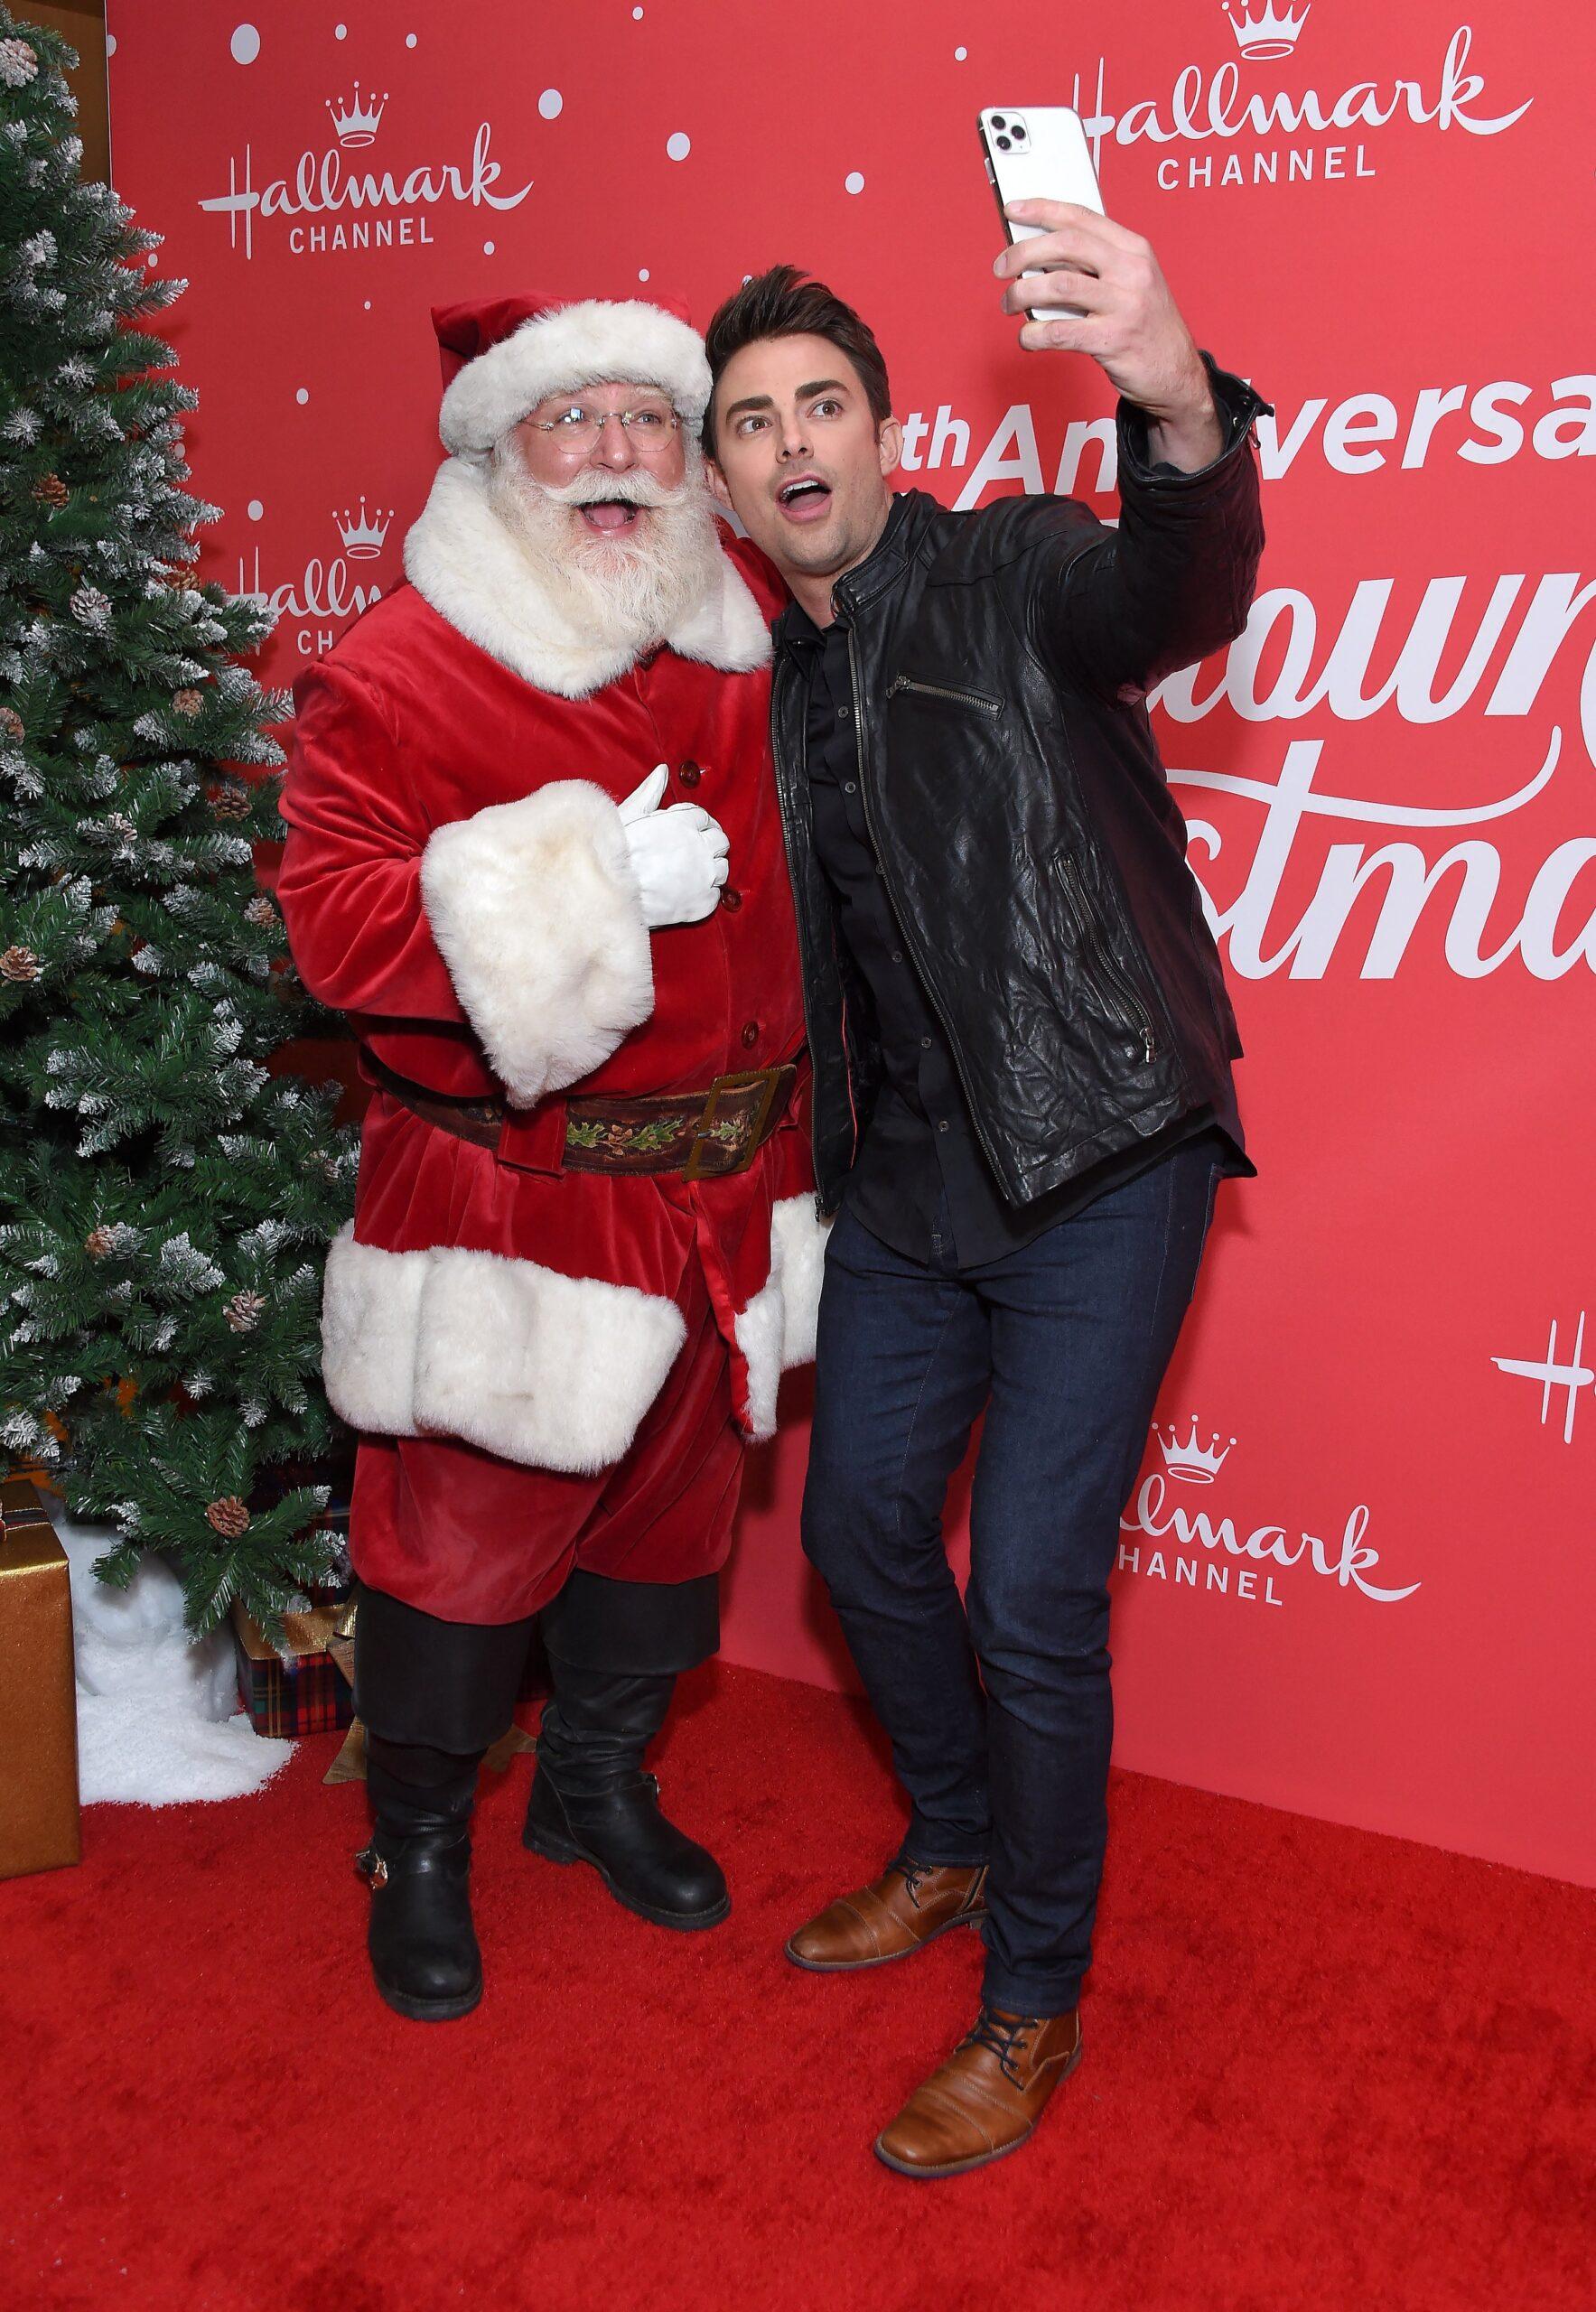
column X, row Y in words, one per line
column 456, row 879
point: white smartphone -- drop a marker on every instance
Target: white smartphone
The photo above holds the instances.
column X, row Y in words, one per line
column 1038, row 153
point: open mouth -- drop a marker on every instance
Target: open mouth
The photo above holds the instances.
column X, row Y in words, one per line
column 806, row 499
column 612, row 516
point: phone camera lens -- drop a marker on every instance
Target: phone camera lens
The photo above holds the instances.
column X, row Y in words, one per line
column 1004, row 144
column 998, row 121
column 1018, row 134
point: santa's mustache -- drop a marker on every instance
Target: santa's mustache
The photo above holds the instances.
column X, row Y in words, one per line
column 631, row 489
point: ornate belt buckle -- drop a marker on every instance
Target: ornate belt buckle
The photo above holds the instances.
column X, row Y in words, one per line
column 754, row 1125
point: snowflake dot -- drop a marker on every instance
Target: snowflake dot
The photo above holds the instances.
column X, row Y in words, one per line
column 853, row 182
column 551, row 103
column 245, row 44
column 959, row 55
column 110, row 43
column 678, row 145
column 255, row 509
column 340, row 32
column 303, row 395
column 410, row 40
column 642, row 273
column 487, row 248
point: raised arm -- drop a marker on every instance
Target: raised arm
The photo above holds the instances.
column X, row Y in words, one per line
column 1176, row 578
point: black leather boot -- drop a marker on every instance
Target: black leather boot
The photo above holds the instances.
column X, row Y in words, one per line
column 423, row 1947
column 615, row 1649
column 433, row 1695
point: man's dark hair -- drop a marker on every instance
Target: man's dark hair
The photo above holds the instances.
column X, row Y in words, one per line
column 787, row 303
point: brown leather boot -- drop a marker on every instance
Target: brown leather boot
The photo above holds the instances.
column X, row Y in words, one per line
column 987, row 2097
column 910, row 1906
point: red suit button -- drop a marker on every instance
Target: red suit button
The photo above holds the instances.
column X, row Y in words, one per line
column 733, row 900
column 751, row 1035
column 689, row 774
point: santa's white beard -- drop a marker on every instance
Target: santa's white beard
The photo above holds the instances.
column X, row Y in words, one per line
column 628, row 591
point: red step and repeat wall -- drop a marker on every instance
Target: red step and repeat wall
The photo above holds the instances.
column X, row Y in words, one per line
column 1359, row 1574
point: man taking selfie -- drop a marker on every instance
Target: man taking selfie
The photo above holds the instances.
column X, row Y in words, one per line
column 1022, row 1098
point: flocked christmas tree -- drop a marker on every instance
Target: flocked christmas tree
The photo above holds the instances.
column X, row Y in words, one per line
column 164, row 1200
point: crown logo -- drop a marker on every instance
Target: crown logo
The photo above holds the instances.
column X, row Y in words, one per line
column 363, row 533
column 1263, row 30
column 356, row 118
column 1198, row 1464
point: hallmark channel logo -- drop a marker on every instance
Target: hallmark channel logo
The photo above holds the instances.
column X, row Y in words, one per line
column 330, row 209
column 1189, row 1548
column 1251, row 135
column 1571, row 1375
column 318, row 605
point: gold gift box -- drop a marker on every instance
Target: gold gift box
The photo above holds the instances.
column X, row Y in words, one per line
column 39, row 1828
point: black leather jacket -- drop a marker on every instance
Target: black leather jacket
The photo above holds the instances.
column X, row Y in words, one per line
column 1023, row 823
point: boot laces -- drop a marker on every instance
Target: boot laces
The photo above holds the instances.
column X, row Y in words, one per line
column 915, row 1874
column 1005, row 2037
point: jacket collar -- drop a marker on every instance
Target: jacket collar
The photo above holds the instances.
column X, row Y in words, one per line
column 882, row 568
column 460, row 558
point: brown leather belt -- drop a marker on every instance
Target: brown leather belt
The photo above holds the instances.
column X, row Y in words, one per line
column 701, row 1135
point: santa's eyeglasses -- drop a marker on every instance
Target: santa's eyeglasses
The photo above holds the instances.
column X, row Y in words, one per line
column 580, row 430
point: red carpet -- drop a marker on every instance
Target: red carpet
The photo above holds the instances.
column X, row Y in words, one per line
column 1323, row 2069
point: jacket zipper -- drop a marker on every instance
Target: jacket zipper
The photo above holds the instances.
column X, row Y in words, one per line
column 787, row 813
column 910, row 935
column 992, row 706
column 1131, row 1010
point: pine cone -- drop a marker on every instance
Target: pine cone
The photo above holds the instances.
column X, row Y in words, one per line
column 182, row 579
column 12, row 726
column 230, row 1518
column 244, row 1311
column 18, row 63
column 99, row 1243
column 261, row 912
column 50, row 489
column 187, row 702
column 19, row 965
column 230, row 801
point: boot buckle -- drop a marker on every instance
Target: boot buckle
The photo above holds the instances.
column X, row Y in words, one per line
column 370, row 1866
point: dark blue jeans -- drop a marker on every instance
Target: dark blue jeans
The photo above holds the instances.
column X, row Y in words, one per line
column 998, row 1708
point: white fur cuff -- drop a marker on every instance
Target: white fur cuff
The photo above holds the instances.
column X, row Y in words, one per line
column 555, row 1372
column 534, row 909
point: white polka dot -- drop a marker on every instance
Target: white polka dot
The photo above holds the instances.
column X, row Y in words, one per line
column 153, row 257
column 245, row 44
column 303, row 395
column 340, row 32
column 637, row 15
column 853, row 182
column 366, row 306
column 959, row 55
column 410, row 40
column 551, row 103
column 110, row 43
column 487, row 248
column 642, row 273
column 255, row 509
column 678, row 147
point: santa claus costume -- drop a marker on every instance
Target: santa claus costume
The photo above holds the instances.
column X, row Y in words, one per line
column 585, row 1244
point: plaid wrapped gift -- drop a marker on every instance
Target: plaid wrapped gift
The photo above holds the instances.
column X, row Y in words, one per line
column 305, row 1694
column 38, row 1693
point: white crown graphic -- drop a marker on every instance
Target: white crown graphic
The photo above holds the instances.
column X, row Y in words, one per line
column 356, row 118
column 1198, row 1464
column 1264, row 31
column 363, row 533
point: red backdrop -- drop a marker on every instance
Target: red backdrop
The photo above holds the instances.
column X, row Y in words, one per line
column 1367, row 1588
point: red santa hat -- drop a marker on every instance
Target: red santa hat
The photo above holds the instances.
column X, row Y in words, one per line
column 502, row 355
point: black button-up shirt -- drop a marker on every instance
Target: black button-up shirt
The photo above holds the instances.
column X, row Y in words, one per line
column 921, row 1144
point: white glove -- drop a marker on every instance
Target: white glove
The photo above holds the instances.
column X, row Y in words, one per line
column 679, row 856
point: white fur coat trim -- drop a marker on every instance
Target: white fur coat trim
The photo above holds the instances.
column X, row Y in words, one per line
column 460, row 557
column 555, row 1372
column 594, row 342
column 776, row 1331
column 536, row 911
